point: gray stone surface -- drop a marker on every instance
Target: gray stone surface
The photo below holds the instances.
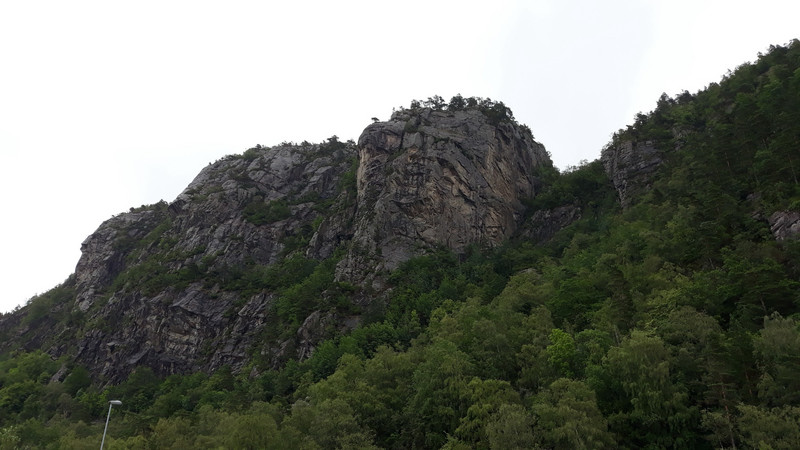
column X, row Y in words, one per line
column 437, row 178
column 785, row 225
column 544, row 224
column 200, row 327
column 631, row 165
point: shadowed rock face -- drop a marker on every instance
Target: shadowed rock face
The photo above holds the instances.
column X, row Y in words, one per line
column 631, row 166
column 103, row 252
column 785, row 225
column 437, row 178
column 166, row 318
column 544, row 224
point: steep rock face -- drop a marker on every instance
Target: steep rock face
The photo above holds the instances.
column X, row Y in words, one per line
column 103, row 252
column 544, row 224
column 158, row 274
column 431, row 178
column 785, row 225
column 631, row 165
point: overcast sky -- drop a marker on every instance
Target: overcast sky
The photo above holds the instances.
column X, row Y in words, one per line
column 107, row 105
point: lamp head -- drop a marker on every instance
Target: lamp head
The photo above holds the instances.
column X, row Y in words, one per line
column 115, row 402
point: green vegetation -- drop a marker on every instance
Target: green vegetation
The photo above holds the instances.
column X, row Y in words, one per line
column 674, row 323
column 41, row 305
column 258, row 212
column 349, row 178
column 495, row 111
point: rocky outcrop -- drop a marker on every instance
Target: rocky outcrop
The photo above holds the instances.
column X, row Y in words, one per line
column 785, row 225
column 160, row 274
column 544, row 224
column 103, row 252
column 631, row 165
column 184, row 287
column 431, row 178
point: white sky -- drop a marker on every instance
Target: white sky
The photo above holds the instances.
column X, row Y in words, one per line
column 107, row 105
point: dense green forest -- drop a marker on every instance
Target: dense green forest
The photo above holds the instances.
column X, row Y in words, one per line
column 672, row 323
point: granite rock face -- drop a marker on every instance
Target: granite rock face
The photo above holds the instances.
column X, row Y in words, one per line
column 785, row 225
column 431, row 178
column 544, row 224
column 103, row 252
column 630, row 166
column 160, row 272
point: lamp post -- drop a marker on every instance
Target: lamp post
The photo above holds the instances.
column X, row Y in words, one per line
column 110, row 405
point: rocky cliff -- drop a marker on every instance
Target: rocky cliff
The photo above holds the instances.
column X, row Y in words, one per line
column 163, row 279
column 253, row 260
column 431, row 178
column 785, row 225
column 631, row 165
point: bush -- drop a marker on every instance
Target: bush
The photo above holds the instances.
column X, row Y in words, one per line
column 259, row 213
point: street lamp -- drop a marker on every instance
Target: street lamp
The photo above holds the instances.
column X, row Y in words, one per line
column 110, row 405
